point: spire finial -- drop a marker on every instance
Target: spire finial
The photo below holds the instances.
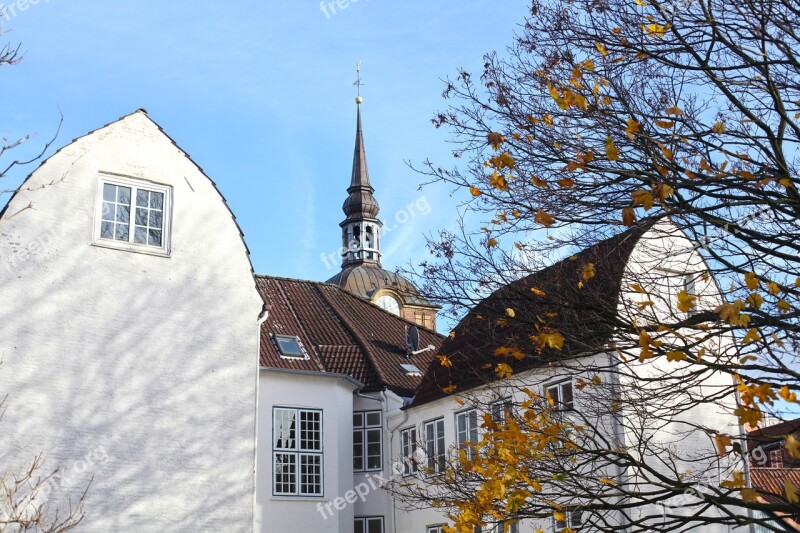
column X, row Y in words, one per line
column 358, row 83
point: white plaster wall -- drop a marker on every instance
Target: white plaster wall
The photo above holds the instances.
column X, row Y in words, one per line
column 135, row 370
column 334, row 396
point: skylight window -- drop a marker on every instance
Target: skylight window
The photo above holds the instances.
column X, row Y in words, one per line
column 290, row 347
column 411, row 370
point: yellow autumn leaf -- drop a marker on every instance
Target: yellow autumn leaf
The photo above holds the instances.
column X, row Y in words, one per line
column 503, row 371
column 566, row 183
column 588, row 271
column 749, row 495
column 676, row 356
column 637, row 288
column 612, row 152
column 751, row 336
column 474, row 191
column 656, row 30
column 491, row 243
column 449, row 389
column 495, row 140
column 607, row 481
column 601, row 48
column 791, row 492
column 783, row 306
column 643, row 198
column 736, row 483
column 751, row 280
column 748, row 415
column 632, row 129
column 675, row 110
column 544, row 218
column 719, row 128
column 628, row 216
column 665, row 124
column 773, row 288
column 686, row 301
column 445, row 361
column 722, row 442
column 787, row 395
column 498, row 181
column 792, row 446
column 510, row 312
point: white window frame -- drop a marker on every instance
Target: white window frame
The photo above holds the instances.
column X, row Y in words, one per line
column 435, row 449
column 559, row 404
column 436, row 528
column 366, row 520
column 469, row 433
column 569, row 521
column 297, row 453
column 131, row 246
column 500, row 410
column 365, row 430
column 408, row 450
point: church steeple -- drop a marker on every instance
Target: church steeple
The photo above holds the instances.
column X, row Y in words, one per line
column 361, row 227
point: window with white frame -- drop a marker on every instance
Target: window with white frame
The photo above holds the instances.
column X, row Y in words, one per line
column 572, row 518
column 467, row 431
column 500, row 527
column 290, row 347
column 561, row 394
column 297, row 452
column 367, row 441
column 434, row 445
column 408, row 449
column 435, row 529
column 368, row 524
column 133, row 215
column 501, row 411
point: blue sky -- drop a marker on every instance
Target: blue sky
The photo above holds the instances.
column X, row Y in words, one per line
column 260, row 95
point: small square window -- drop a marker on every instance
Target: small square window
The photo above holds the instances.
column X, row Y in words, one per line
column 290, row 347
column 133, row 215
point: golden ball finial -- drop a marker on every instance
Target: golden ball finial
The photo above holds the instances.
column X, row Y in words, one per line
column 359, row 99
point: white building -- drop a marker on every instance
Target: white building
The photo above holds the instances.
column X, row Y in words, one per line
column 140, row 352
column 129, row 338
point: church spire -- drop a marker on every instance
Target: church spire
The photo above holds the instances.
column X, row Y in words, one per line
column 361, row 227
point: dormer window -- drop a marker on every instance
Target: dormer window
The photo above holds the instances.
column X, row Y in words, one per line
column 133, row 215
column 290, row 347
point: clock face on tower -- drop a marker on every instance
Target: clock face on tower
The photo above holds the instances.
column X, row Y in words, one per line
column 389, row 303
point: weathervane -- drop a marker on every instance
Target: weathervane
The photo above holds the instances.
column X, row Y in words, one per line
column 358, row 83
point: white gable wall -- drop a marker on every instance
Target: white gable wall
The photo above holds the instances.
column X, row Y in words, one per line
column 137, row 370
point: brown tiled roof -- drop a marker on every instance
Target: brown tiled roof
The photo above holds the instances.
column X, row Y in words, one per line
column 341, row 333
column 562, row 305
column 770, row 483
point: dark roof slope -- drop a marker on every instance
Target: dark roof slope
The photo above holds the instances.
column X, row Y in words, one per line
column 341, row 333
column 548, row 299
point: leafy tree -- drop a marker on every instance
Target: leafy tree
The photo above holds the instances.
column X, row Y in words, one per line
column 604, row 115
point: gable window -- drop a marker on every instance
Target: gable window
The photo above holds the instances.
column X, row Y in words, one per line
column 434, row 445
column 368, row 524
column 561, row 393
column 572, row 519
column 367, row 441
column 408, row 445
column 467, row 431
column 290, row 347
column 776, row 458
column 133, row 215
column 297, row 452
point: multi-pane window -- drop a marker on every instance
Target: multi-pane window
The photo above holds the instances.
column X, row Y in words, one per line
column 367, row 441
column 297, row 452
column 467, row 430
column 776, row 458
column 434, row 445
column 134, row 214
column 572, row 519
column 368, row 524
column 500, row 527
column 561, row 393
column 501, row 411
column 408, row 445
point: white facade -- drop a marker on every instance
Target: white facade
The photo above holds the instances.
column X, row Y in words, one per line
column 132, row 366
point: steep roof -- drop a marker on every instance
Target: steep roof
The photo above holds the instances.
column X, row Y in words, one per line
column 341, row 333
column 549, row 298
